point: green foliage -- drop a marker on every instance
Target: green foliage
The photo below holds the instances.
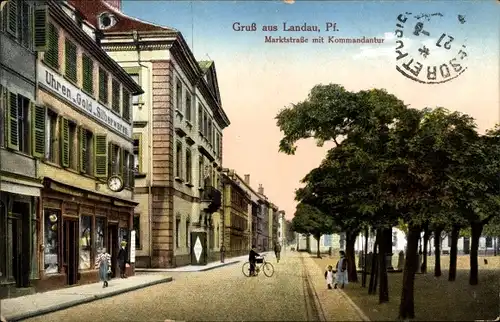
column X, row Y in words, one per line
column 309, row 220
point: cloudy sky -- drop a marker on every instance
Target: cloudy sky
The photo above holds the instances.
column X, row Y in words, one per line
column 257, row 79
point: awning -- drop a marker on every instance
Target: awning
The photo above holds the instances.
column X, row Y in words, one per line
column 21, row 188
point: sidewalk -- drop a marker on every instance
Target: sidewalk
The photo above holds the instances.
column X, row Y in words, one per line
column 24, row 307
column 334, row 304
column 199, row 268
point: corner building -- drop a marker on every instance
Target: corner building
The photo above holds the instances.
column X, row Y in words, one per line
column 82, row 136
column 178, row 125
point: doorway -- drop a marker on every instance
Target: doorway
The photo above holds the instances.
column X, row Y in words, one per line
column 70, row 250
column 113, row 246
column 19, row 237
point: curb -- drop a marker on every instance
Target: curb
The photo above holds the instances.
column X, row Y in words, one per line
column 160, row 270
column 67, row 305
column 214, row 267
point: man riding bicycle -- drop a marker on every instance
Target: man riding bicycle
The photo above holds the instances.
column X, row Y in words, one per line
column 252, row 258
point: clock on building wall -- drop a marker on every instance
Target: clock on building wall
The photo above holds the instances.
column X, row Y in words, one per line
column 115, row 183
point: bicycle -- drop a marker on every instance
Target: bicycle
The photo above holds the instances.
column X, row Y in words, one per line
column 260, row 263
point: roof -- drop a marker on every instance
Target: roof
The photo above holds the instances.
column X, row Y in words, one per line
column 91, row 9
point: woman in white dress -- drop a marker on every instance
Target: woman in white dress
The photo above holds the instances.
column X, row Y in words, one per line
column 329, row 276
column 341, row 277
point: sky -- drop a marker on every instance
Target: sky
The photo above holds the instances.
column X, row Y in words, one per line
column 258, row 79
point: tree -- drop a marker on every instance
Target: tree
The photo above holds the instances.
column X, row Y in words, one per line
column 309, row 220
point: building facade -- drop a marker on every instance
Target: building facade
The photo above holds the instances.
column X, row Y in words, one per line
column 263, row 238
column 20, row 188
column 83, row 143
column 235, row 215
column 282, row 228
column 273, row 225
column 178, row 125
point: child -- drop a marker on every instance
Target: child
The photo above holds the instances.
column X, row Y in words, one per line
column 341, row 276
column 329, row 276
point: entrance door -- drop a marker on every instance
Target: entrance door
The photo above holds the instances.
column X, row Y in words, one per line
column 70, row 250
column 199, row 248
column 19, row 231
column 113, row 246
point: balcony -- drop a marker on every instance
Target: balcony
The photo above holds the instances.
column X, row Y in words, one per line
column 211, row 199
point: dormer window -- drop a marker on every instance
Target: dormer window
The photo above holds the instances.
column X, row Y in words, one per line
column 107, row 20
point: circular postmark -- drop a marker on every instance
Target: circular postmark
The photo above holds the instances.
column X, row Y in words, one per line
column 427, row 52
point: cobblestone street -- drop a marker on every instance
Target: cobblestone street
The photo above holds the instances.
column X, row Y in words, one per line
column 220, row 294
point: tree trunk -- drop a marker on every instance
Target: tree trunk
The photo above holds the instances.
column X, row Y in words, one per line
column 382, row 258
column 476, row 230
column 437, row 251
column 372, row 289
column 351, row 256
column 363, row 279
column 317, row 243
column 455, row 231
column 407, row 305
column 427, row 235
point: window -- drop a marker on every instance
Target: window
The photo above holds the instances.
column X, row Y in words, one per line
column 200, row 172
column 85, row 242
column 489, row 242
column 216, row 144
column 126, row 105
column 189, row 166
column 200, row 118
column 137, row 228
column 103, row 86
column 114, row 160
column 12, row 17
column 51, row 137
column 188, row 106
column 205, row 124
column 88, row 74
column 51, row 56
column 177, row 232
column 86, row 141
column 3, row 108
column 187, row 234
column 178, row 95
column 100, row 227
column 18, row 122
column 73, row 155
column 70, row 60
column 136, row 98
column 210, row 139
column 137, row 153
column 178, row 160
column 115, row 95
column 52, row 220
column 25, row 26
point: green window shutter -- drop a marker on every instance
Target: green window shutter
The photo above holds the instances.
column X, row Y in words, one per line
column 38, row 114
column 103, row 86
column 51, row 56
column 88, row 74
column 12, row 121
column 12, row 17
column 40, row 30
column 64, row 131
column 126, row 105
column 101, row 156
column 70, row 60
column 131, row 176
column 115, row 96
column 82, row 141
column 125, row 168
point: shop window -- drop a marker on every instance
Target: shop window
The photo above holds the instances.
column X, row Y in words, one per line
column 100, row 233
column 52, row 220
column 177, row 233
column 88, row 74
column 137, row 228
column 85, row 242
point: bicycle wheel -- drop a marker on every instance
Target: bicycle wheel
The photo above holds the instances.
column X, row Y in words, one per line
column 246, row 269
column 268, row 269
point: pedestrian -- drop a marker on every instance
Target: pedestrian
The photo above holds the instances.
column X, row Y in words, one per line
column 252, row 258
column 277, row 251
column 341, row 277
column 222, row 253
column 122, row 259
column 103, row 263
column 329, row 276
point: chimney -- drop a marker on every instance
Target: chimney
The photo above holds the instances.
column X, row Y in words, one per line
column 247, row 178
column 117, row 4
column 261, row 189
